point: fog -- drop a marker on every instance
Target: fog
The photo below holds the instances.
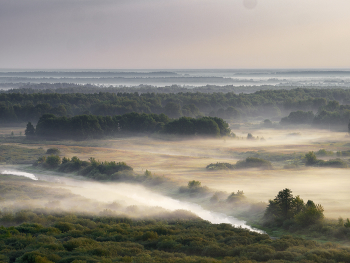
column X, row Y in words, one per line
column 24, row 174
column 185, row 160
column 132, row 200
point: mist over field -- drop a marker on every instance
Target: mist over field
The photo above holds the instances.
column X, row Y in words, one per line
column 185, row 160
column 117, row 198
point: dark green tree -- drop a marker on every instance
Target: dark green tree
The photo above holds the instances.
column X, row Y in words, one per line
column 30, row 130
column 285, row 201
column 311, row 158
column 53, row 161
column 310, row 214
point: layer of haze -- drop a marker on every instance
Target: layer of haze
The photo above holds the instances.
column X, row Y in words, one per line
column 174, row 34
column 185, row 160
column 117, row 198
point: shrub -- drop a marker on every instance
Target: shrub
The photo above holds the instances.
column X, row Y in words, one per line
column 53, row 151
column 311, row 158
column 347, row 223
column 194, row 188
column 253, row 162
column 337, row 163
column 323, row 152
column 310, row 214
column 233, row 198
column 220, row 166
column 53, row 161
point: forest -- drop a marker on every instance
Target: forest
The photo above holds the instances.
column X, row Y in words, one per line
column 156, row 176
column 320, row 107
column 89, row 126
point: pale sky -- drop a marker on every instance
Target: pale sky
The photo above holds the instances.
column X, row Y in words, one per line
column 169, row 34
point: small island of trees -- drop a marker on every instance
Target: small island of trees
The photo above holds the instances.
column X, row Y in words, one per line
column 91, row 126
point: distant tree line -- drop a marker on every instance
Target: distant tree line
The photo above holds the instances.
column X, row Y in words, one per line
column 23, row 107
column 331, row 113
column 249, row 162
column 311, row 160
column 91, row 126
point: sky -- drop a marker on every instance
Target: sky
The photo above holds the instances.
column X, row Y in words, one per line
column 174, row 34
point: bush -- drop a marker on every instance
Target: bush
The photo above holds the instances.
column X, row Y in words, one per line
column 336, row 163
column 194, row 188
column 347, row 223
column 53, row 151
column 53, row 161
column 311, row 160
column 253, row 162
column 323, row 152
column 220, row 166
column 233, row 198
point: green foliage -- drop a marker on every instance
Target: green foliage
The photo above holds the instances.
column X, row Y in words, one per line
column 226, row 102
column 117, row 239
column 89, row 126
column 219, row 166
column 194, row 184
column 323, row 152
column 53, row 161
column 347, row 223
column 93, row 169
column 65, row 160
column 286, row 210
column 298, row 117
column 236, row 197
column 30, row 130
column 54, row 151
column 311, row 160
column 194, row 188
column 310, row 214
column 267, row 123
column 343, row 153
column 148, row 173
column 253, row 162
column 205, row 126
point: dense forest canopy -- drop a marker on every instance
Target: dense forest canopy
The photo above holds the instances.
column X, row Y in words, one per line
column 326, row 104
column 91, row 126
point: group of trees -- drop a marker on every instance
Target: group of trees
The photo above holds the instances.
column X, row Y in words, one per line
column 90, row 126
column 24, row 107
column 311, row 160
column 249, row 162
column 93, row 169
column 330, row 114
column 211, row 126
column 286, row 210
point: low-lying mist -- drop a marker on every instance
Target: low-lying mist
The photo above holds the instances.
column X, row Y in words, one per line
column 186, row 160
column 59, row 193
